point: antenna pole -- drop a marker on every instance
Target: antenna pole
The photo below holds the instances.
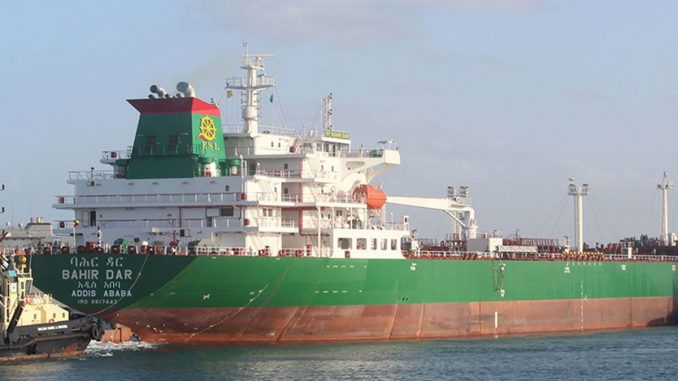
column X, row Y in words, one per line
column 251, row 86
column 664, row 186
column 327, row 113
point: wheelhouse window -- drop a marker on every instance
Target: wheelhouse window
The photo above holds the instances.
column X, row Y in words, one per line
column 361, row 244
column 150, row 143
column 394, row 244
column 345, row 243
column 173, row 143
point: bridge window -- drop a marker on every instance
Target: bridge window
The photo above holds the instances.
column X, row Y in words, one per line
column 361, row 244
column 173, row 143
column 394, row 244
column 150, row 143
column 373, row 244
column 384, row 244
column 345, row 243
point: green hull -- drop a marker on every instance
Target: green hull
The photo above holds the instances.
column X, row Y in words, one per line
column 107, row 284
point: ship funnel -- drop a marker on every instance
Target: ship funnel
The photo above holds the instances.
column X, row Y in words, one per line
column 155, row 89
column 186, row 89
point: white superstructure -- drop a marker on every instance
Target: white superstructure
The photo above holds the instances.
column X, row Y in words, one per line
column 289, row 194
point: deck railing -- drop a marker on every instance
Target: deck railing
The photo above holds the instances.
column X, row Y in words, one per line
column 219, row 198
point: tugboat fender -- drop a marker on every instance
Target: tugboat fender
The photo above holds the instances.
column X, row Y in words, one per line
column 96, row 332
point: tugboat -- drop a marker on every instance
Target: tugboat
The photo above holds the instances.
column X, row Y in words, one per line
column 33, row 325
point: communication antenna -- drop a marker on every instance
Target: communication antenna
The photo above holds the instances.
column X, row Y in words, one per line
column 327, row 113
column 664, row 186
column 251, row 85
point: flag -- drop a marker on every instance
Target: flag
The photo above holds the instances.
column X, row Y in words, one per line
column 229, row 93
column 76, row 223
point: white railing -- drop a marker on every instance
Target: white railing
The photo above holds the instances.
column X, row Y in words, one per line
column 172, row 223
column 312, row 252
column 119, row 154
column 362, row 153
column 292, row 197
column 572, row 257
column 155, row 199
column 90, row 175
column 214, row 222
column 641, row 258
column 216, row 199
column 272, row 222
column 282, row 173
column 309, row 198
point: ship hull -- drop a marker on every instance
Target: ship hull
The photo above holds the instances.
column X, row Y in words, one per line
column 264, row 299
column 393, row 322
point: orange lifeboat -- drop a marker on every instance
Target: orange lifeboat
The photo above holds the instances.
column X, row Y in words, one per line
column 374, row 198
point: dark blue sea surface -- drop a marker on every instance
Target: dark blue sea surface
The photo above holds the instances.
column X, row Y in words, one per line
column 644, row 354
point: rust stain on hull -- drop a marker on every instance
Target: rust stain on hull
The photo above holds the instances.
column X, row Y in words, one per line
column 385, row 322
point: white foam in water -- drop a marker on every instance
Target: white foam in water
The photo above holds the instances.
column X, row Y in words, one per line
column 97, row 349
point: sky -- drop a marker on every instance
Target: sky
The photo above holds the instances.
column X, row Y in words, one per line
column 510, row 98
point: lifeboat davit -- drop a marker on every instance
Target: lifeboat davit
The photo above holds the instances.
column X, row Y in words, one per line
column 374, row 198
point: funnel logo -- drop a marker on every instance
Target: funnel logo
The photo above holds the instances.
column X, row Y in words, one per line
column 208, row 132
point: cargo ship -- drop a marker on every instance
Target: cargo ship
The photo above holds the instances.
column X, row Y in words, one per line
column 206, row 232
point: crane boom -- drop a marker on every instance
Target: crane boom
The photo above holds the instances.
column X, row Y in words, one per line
column 461, row 213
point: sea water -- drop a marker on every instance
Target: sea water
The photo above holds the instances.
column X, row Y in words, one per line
column 650, row 354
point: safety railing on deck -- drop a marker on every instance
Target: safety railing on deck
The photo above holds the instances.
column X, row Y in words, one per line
column 89, row 175
column 315, row 252
column 199, row 198
column 150, row 249
column 115, row 155
column 571, row 257
column 159, row 199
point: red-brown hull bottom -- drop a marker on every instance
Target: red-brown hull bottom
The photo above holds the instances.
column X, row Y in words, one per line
column 392, row 322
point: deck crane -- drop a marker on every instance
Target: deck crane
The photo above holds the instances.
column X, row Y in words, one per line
column 456, row 205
